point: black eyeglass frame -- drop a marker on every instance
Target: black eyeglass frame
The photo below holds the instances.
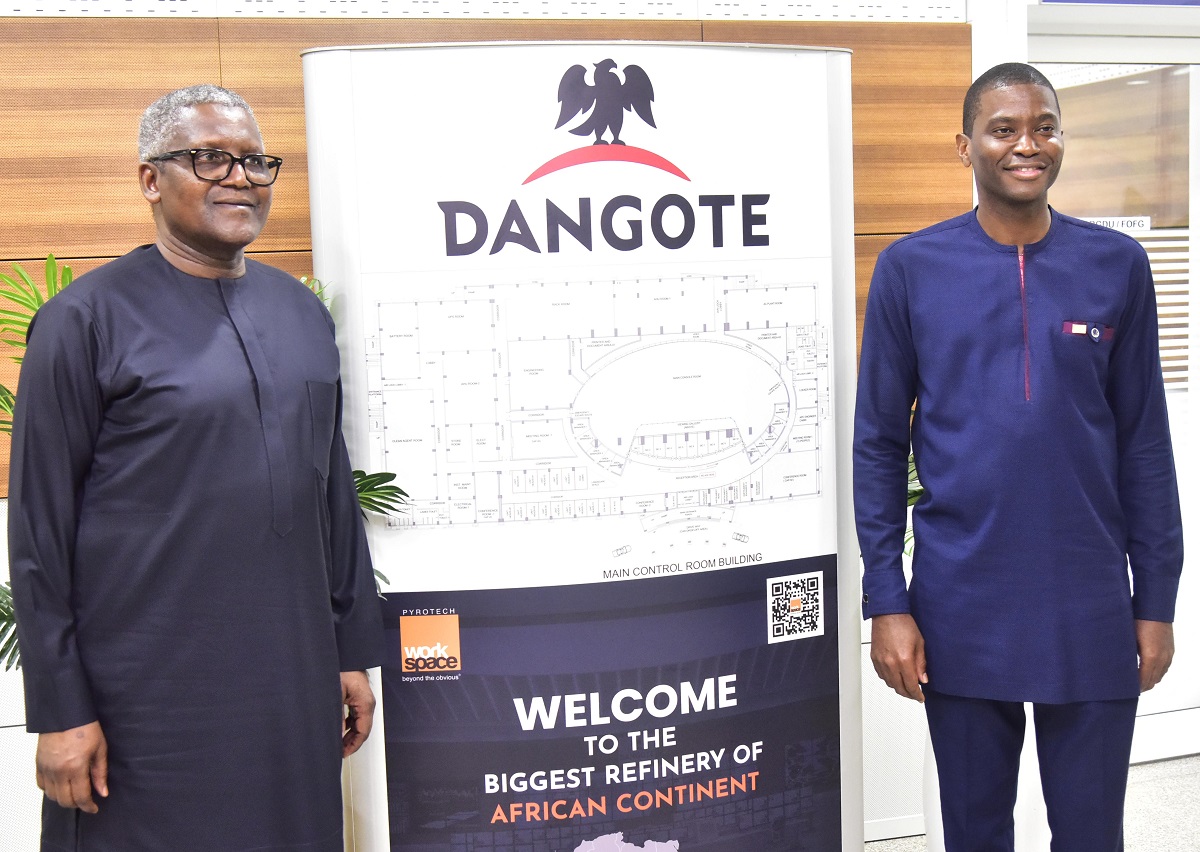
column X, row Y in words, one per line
column 272, row 163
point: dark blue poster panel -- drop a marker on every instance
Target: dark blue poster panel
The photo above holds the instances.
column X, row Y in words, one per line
column 694, row 710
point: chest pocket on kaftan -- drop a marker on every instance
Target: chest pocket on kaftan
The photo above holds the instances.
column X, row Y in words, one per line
column 1085, row 346
column 322, row 403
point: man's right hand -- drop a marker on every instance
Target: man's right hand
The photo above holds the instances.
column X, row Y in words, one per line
column 898, row 653
column 70, row 764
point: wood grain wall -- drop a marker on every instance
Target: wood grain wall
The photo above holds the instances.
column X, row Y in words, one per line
column 74, row 89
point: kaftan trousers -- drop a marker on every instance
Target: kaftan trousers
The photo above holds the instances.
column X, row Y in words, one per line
column 1083, row 752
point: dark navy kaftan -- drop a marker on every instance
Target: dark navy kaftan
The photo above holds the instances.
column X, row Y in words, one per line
column 188, row 558
column 1041, row 438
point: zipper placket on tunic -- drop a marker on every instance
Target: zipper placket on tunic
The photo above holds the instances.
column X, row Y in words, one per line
column 1024, row 320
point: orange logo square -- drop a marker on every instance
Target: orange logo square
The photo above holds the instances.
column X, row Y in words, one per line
column 429, row 644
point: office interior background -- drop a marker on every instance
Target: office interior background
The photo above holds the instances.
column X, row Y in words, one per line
column 78, row 73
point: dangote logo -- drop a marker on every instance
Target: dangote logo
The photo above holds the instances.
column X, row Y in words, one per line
column 608, row 98
column 674, row 219
column 604, row 101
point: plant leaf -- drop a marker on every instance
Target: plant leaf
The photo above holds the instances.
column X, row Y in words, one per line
column 24, row 298
column 370, row 480
column 375, row 495
column 10, row 653
column 7, row 402
column 35, row 295
column 915, row 488
column 317, row 287
column 51, row 276
column 20, row 291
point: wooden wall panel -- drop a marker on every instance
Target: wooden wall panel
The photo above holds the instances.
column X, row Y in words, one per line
column 69, row 132
column 73, row 91
column 866, row 251
column 907, row 85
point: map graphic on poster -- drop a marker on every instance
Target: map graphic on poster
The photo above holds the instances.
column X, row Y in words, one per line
column 661, row 397
column 616, row 843
column 625, row 353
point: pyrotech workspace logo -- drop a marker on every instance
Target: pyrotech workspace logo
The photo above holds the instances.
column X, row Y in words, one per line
column 430, row 643
column 604, row 102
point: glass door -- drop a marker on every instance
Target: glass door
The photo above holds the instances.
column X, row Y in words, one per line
column 1128, row 164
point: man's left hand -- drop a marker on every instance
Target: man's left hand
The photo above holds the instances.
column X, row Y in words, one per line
column 360, row 710
column 1156, row 647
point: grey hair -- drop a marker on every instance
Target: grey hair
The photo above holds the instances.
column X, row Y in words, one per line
column 162, row 117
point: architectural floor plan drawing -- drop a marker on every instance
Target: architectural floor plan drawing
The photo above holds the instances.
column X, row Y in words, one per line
column 667, row 399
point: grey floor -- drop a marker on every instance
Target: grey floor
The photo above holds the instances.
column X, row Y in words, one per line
column 1162, row 810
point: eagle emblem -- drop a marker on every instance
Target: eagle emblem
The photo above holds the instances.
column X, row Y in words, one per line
column 608, row 98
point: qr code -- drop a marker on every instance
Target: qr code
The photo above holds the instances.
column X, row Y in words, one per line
column 794, row 607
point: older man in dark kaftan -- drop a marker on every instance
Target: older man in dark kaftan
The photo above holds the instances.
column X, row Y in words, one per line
column 194, row 593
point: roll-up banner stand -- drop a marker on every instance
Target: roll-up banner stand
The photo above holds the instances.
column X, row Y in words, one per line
column 596, row 309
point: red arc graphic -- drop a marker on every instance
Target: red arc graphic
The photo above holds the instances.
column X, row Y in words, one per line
column 605, row 153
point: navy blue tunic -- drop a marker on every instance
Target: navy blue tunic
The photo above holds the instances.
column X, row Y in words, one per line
column 1041, row 438
column 188, row 559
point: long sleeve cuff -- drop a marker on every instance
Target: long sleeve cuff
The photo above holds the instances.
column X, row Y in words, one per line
column 1154, row 597
column 884, row 593
column 360, row 639
column 57, row 703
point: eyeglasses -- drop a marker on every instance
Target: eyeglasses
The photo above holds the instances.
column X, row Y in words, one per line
column 215, row 165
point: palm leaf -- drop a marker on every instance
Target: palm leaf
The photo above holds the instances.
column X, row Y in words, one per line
column 915, row 488
column 54, row 281
column 18, row 315
column 915, row 491
column 10, row 654
column 317, row 287
column 376, row 495
column 24, row 298
column 7, row 402
column 20, row 290
column 21, row 293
